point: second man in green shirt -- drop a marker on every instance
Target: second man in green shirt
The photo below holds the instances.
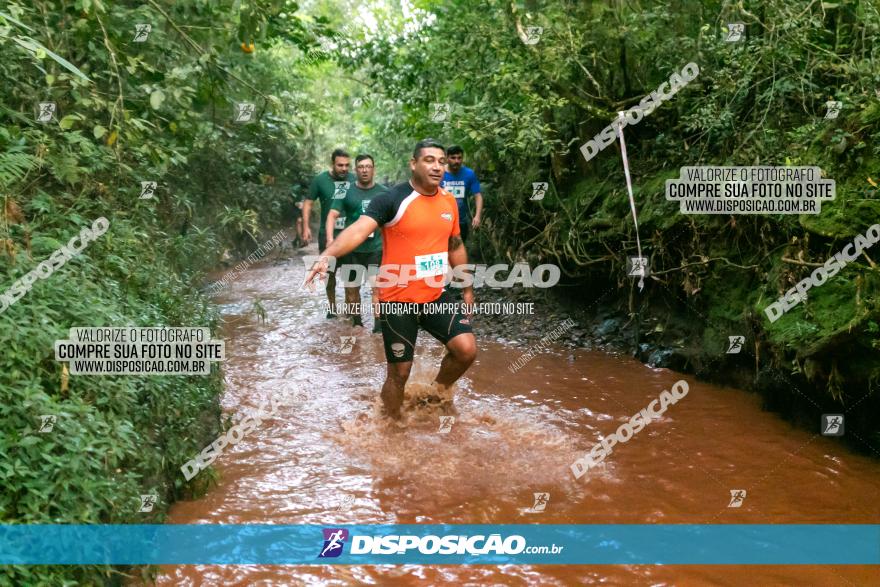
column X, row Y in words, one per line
column 369, row 253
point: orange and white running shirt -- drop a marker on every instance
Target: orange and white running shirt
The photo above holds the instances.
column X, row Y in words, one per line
column 415, row 232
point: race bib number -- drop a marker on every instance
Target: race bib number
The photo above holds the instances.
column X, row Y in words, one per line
column 341, row 189
column 430, row 265
column 340, row 223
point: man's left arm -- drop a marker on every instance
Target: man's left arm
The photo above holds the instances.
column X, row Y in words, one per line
column 477, row 191
column 478, row 199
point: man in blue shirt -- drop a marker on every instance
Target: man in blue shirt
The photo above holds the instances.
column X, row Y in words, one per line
column 462, row 182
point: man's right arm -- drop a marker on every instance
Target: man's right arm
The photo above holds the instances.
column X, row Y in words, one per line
column 330, row 225
column 307, row 210
column 477, row 192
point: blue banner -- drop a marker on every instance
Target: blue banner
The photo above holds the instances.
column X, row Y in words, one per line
column 612, row 544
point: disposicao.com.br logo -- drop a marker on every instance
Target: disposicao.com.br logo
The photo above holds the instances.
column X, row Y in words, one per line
column 450, row 544
column 334, row 540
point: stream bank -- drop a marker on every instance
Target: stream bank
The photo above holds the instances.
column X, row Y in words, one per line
column 666, row 335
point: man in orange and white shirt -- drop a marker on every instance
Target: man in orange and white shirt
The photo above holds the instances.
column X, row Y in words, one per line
column 421, row 241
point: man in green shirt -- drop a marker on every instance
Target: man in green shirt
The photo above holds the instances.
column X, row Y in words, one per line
column 369, row 253
column 325, row 187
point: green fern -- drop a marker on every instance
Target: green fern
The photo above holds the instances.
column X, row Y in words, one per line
column 14, row 166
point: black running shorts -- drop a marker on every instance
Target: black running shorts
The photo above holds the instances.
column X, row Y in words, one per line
column 365, row 260
column 401, row 321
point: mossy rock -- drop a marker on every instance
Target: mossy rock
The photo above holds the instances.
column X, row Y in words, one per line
column 847, row 215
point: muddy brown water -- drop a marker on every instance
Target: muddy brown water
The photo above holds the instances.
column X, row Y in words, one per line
column 326, row 458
